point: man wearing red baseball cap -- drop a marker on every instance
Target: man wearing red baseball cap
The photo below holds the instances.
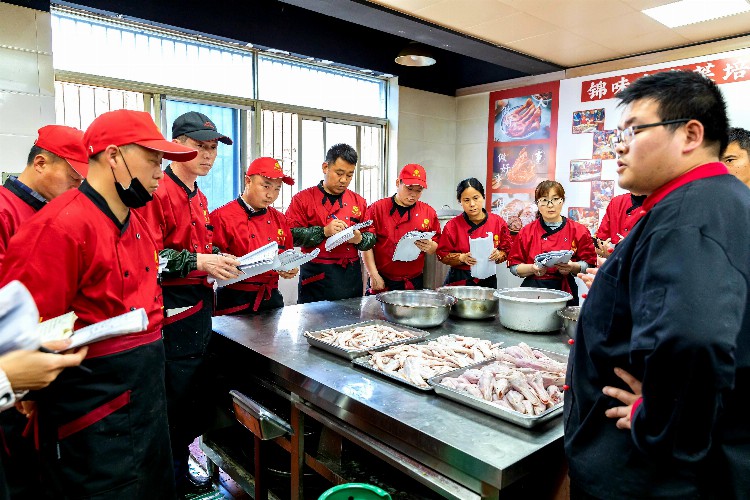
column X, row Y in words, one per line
column 57, row 162
column 180, row 220
column 248, row 223
column 392, row 218
column 103, row 434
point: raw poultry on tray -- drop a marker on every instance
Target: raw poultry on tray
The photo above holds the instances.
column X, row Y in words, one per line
column 415, row 363
column 364, row 337
column 523, row 380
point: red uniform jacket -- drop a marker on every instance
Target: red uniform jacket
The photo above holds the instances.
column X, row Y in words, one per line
column 75, row 256
column 16, row 206
column 311, row 207
column 534, row 239
column 179, row 219
column 458, row 230
column 620, row 217
column 389, row 226
column 238, row 231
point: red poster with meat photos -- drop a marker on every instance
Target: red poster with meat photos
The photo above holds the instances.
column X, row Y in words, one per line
column 521, row 149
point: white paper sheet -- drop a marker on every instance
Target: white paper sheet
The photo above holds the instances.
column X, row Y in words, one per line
column 406, row 250
column 257, row 262
column 130, row 322
column 480, row 249
column 294, row 258
column 19, row 318
column 342, row 237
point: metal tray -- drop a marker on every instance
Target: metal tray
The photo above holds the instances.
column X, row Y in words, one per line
column 498, row 411
column 364, row 362
column 313, row 338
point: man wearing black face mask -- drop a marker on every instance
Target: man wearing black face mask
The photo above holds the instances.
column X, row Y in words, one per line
column 180, row 220
column 104, row 434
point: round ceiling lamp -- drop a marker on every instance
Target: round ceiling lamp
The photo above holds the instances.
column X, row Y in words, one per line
column 415, row 54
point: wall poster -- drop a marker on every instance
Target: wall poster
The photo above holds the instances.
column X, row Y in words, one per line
column 521, row 149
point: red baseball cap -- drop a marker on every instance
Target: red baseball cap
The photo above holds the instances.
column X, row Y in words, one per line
column 270, row 168
column 67, row 143
column 124, row 127
column 413, row 174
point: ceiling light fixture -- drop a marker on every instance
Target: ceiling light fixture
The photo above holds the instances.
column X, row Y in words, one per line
column 415, row 54
column 687, row 12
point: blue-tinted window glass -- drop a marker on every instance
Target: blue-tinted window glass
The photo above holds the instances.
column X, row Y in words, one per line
column 224, row 182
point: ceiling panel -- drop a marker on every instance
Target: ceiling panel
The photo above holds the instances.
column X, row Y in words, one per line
column 597, row 30
column 462, row 14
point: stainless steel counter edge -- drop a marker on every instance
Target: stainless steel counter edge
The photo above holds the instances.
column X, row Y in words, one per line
column 458, row 441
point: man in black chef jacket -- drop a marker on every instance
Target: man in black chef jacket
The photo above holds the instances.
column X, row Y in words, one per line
column 661, row 361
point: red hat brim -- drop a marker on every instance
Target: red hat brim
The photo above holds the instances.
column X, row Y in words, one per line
column 172, row 150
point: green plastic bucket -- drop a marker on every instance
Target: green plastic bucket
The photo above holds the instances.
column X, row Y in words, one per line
column 355, row 491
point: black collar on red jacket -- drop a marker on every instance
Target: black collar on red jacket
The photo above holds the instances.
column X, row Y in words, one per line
column 401, row 209
column 552, row 230
column 332, row 198
column 473, row 227
column 25, row 193
column 174, row 177
column 249, row 211
column 101, row 204
column 636, row 201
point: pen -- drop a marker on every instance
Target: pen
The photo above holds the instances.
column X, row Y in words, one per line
column 80, row 367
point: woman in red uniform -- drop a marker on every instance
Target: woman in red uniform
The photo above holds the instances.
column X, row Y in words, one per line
column 551, row 231
column 475, row 222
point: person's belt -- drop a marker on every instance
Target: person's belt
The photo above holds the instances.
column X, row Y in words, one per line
column 343, row 261
column 193, row 278
column 263, row 288
column 122, row 343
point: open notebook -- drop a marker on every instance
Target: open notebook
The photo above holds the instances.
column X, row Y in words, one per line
column 342, row 237
column 294, row 258
column 549, row 259
column 257, row 262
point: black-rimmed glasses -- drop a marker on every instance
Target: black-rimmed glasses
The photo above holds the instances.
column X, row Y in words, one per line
column 549, row 203
column 626, row 136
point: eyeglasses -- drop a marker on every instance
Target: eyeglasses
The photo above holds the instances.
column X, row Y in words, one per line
column 626, row 136
column 550, row 203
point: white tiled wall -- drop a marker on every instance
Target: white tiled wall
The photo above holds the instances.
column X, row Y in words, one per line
column 26, row 81
column 427, row 135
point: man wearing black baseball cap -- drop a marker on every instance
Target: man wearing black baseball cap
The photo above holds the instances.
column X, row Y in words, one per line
column 180, row 220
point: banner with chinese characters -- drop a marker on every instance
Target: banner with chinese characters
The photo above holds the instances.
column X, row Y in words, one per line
column 586, row 165
column 726, row 70
column 521, row 149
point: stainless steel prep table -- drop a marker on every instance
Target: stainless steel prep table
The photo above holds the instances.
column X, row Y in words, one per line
column 455, row 450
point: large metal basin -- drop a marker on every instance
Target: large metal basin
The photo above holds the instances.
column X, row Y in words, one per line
column 472, row 302
column 531, row 309
column 569, row 317
column 418, row 308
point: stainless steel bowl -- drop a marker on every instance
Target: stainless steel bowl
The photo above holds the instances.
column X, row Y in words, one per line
column 569, row 317
column 531, row 309
column 418, row 308
column 472, row 302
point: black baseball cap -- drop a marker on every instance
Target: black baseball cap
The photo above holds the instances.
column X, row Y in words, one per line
column 197, row 126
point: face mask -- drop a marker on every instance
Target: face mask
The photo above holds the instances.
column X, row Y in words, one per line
column 135, row 196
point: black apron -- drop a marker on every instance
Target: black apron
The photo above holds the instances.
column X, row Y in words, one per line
column 186, row 338
column 112, row 421
column 415, row 283
column 333, row 281
column 461, row 277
